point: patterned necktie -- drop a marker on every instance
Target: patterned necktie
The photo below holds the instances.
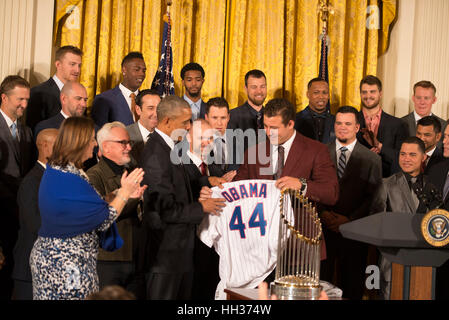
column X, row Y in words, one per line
column 14, row 130
column 259, row 120
column 341, row 166
column 280, row 165
column 203, row 169
column 133, row 106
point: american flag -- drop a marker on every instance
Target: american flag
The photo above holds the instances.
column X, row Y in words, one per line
column 163, row 80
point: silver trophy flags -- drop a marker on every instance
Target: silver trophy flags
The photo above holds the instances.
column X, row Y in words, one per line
column 298, row 258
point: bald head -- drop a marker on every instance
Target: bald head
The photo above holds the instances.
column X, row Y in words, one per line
column 73, row 99
column 44, row 142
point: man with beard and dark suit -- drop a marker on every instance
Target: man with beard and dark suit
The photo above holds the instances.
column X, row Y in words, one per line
column 29, row 216
column 400, row 193
column 17, row 156
column 170, row 211
column 118, row 104
column 429, row 131
column 73, row 104
column 423, row 98
column 314, row 121
column 380, row 132
column 359, row 173
column 439, row 176
column 139, row 132
column 45, row 98
column 192, row 75
column 250, row 114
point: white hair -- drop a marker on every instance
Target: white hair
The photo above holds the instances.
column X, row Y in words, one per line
column 104, row 133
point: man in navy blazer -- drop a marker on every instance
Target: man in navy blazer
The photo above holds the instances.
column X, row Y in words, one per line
column 315, row 122
column 192, row 75
column 44, row 98
column 73, row 103
column 118, row 104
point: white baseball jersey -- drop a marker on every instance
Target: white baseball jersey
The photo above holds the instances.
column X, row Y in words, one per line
column 245, row 235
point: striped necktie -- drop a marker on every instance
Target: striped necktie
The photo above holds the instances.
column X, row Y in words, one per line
column 341, row 166
column 14, row 130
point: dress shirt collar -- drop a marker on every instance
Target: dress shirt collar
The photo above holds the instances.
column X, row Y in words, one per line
column 143, row 131
column 350, row 146
column 8, row 120
column 196, row 160
column 287, row 145
column 126, row 93
column 418, row 117
column 166, row 138
column 59, row 83
column 430, row 153
column 64, row 115
column 195, row 106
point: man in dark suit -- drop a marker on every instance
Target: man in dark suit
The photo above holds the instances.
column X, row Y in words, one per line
column 226, row 156
column 314, row 121
column 429, row 131
column 17, row 156
column 117, row 267
column 29, row 216
column 250, row 114
column 423, row 98
column 118, row 104
column 44, row 100
column 192, row 75
column 359, row 173
column 380, row 132
column 170, row 211
column 399, row 193
column 139, row 132
column 73, row 103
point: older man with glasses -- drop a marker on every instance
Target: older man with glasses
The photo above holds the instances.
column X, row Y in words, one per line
column 117, row 267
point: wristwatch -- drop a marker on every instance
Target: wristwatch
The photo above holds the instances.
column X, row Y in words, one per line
column 303, row 184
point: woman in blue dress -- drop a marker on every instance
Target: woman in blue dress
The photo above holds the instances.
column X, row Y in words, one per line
column 75, row 219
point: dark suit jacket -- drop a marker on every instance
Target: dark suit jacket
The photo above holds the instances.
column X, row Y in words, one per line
column 437, row 176
column 305, row 125
column 392, row 131
column 197, row 180
column 106, row 181
column 16, row 158
column 53, row 122
column 203, row 109
column 243, row 118
column 30, row 222
column 437, row 157
column 170, row 213
column 44, row 103
column 411, row 123
column 362, row 177
column 136, row 137
column 307, row 159
column 111, row 106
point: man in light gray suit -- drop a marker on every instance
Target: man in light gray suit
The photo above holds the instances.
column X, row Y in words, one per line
column 398, row 194
column 423, row 98
column 139, row 132
column 17, row 156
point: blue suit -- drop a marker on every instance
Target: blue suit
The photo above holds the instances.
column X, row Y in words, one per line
column 53, row 123
column 305, row 125
column 111, row 106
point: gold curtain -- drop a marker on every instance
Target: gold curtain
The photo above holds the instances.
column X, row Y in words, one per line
column 228, row 38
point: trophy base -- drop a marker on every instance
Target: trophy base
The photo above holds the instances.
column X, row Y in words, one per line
column 289, row 292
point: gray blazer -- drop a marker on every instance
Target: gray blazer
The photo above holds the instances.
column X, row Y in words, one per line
column 411, row 124
column 136, row 137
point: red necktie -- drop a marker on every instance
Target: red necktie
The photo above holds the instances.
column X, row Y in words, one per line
column 203, row 169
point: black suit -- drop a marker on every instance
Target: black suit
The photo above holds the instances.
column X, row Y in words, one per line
column 361, row 178
column 170, row 216
column 30, row 222
column 437, row 157
column 244, row 118
column 16, row 159
column 53, row 123
column 437, row 176
column 305, row 124
column 392, row 131
column 44, row 102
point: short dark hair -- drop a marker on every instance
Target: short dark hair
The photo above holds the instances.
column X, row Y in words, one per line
column 192, row 66
column 425, row 84
column 430, row 121
column 130, row 56
column 349, row 109
column 10, row 82
column 60, row 53
column 218, row 102
column 143, row 93
column 281, row 107
column 417, row 141
column 254, row 73
column 371, row 80
column 315, row 80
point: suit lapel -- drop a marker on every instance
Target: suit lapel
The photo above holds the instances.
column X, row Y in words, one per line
column 333, row 152
column 295, row 155
column 13, row 144
column 125, row 108
column 406, row 193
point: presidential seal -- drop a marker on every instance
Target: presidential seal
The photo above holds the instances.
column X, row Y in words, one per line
column 435, row 227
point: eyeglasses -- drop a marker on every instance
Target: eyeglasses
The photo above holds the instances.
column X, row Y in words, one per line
column 122, row 142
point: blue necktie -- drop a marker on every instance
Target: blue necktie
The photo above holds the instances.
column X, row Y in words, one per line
column 14, row 130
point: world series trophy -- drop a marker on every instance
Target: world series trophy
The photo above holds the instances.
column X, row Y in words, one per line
column 297, row 274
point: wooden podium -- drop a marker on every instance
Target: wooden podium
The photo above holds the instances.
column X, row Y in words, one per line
column 399, row 239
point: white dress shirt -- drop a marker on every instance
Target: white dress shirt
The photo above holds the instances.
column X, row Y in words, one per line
column 287, row 146
column 9, row 123
column 144, row 132
column 166, row 138
column 195, row 106
column 127, row 93
column 348, row 153
column 59, row 83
